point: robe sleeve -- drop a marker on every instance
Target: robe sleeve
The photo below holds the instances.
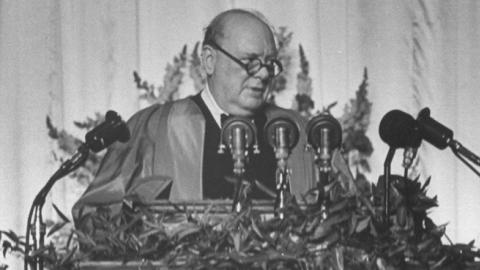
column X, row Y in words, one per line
column 126, row 171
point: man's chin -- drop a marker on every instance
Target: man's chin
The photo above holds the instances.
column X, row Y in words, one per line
column 253, row 108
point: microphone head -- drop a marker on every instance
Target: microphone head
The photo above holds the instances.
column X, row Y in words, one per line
column 399, row 130
column 238, row 122
column 291, row 128
column 111, row 130
column 324, row 121
column 432, row 131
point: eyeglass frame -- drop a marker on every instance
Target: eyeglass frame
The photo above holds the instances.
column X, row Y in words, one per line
column 245, row 65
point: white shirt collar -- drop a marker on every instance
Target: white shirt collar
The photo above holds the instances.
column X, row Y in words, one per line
column 212, row 105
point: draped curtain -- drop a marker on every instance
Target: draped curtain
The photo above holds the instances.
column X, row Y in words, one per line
column 71, row 59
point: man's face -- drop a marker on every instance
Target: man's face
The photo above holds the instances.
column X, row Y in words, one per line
column 235, row 91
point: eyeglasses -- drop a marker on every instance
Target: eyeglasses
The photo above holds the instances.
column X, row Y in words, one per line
column 274, row 67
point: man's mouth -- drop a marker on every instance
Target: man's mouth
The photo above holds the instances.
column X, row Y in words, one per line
column 258, row 89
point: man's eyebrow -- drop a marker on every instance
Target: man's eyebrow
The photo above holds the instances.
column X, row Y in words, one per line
column 252, row 55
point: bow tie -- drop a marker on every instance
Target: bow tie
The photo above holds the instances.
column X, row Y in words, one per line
column 258, row 119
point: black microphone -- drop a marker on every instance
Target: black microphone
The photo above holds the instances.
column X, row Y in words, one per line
column 441, row 137
column 111, row 130
column 432, row 131
column 399, row 130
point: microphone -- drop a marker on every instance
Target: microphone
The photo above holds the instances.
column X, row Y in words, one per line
column 238, row 134
column 111, row 130
column 282, row 134
column 399, row 130
column 432, row 131
column 324, row 133
column 440, row 136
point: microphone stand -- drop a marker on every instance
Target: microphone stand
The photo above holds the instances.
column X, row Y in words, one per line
column 35, row 224
column 463, row 153
column 282, row 174
column 283, row 189
column 238, row 155
column 386, row 188
column 323, row 160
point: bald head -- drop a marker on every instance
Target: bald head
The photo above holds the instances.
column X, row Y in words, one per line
column 230, row 22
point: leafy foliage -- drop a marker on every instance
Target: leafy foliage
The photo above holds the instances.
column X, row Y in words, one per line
column 349, row 233
column 171, row 81
column 284, row 38
column 304, row 86
column 355, row 121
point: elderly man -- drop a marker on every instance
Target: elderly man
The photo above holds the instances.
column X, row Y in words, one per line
column 173, row 150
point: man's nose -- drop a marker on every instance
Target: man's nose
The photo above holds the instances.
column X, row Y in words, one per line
column 263, row 74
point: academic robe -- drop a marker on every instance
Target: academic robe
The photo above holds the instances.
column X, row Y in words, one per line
column 166, row 147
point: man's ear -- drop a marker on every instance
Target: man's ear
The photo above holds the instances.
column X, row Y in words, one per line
column 209, row 57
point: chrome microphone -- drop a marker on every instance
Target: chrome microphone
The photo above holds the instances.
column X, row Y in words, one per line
column 282, row 134
column 238, row 134
column 324, row 134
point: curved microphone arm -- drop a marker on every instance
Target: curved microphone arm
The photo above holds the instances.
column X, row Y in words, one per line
column 386, row 187
column 111, row 130
column 35, row 225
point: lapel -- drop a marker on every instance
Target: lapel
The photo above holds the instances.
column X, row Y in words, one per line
column 185, row 133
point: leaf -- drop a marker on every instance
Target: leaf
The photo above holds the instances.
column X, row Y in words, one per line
column 439, row 263
column 321, row 231
column 69, row 241
column 6, row 245
column 424, row 244
column 56, row 227
column 84, row 238
column 362, row 225
column 12, row 235
column 60, row 214
column 68, row 257
column 338, row 206
column 146, row 234
column 425, row 185
column 52, row 131
column 257, row 230
column 185, row 230
column 353, row 224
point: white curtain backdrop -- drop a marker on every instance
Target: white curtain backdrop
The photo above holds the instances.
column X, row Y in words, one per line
column 70, row 59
